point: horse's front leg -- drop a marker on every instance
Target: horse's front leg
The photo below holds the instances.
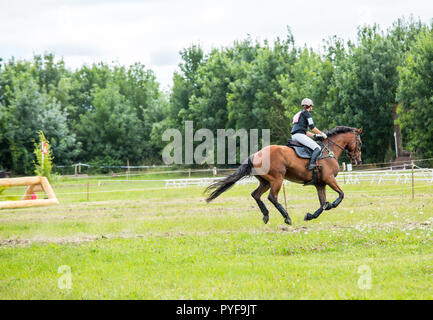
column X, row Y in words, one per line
column 321, row 192
column 334, row 185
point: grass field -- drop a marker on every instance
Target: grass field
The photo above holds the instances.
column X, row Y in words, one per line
column 136, row 240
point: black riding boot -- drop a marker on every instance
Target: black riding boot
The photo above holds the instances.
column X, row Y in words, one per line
column 314, row 156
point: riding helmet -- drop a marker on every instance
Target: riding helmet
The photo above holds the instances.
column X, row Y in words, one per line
column 307, row 102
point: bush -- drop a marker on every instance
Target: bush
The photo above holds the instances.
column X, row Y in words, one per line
column 44, row 162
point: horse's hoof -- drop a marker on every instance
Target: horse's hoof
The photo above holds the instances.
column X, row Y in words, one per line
column 308, row 217
column 288, row 221
column 265, row 219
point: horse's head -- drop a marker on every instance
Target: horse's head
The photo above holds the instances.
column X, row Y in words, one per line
column 354, row 147
column 347, row 139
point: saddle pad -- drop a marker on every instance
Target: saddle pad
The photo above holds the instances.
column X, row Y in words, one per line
column 301, row 150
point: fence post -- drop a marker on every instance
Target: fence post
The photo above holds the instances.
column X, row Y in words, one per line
column 413, row 182
column 127, row 169
column 88, row 187
column 344, row 172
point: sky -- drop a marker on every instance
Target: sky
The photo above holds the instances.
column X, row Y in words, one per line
column 154, row 31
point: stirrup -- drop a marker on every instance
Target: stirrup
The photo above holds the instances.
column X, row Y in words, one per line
column 311, row 166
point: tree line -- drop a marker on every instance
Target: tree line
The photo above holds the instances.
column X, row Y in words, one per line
column 106, row 114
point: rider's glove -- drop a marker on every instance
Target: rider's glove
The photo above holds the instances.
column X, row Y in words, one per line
column 324, row 136
column 319, row 137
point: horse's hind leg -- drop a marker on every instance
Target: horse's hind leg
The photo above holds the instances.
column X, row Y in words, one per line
column 321, row 192
column 256, row 194
column 273, row 197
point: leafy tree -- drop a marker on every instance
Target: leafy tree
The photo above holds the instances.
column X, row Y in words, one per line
column 310, row 77
column 112, row 129
column 29, row 112
column 139, row 85
column 48, row 72
column 253, row 101
column 415, row 93
column 208, row 104
column 4, row 143
column 79, row 87
column 364, row 91
column 184, row 85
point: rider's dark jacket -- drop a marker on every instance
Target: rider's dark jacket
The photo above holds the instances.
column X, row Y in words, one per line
column 301, row 121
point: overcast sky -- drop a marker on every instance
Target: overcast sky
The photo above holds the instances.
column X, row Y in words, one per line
column 153, row 32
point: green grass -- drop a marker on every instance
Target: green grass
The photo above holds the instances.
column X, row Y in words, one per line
column 156, row 243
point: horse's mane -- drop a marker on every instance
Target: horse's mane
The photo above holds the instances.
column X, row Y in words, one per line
column 339, row 129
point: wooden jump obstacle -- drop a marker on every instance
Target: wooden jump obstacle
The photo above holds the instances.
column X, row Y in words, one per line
column 33, row 184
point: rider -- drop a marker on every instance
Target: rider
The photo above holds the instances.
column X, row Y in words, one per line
column 301, row 122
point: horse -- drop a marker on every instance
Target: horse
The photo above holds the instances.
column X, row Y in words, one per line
column 4, row 174
column 282, row 162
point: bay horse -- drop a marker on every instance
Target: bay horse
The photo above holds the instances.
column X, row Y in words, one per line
column 282, row 162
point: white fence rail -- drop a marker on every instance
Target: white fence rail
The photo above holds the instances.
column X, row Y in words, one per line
column 202, row 182
column 354, row 177
column 397, row 176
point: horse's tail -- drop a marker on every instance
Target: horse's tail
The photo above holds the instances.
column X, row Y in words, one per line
column 226, row 183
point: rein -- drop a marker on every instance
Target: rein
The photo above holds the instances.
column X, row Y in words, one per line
column 329, row 140
column 331, row 154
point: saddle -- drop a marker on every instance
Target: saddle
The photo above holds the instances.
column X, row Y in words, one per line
column 301, row 150
column 306, row 153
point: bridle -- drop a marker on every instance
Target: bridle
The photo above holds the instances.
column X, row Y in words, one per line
column 350, row 155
